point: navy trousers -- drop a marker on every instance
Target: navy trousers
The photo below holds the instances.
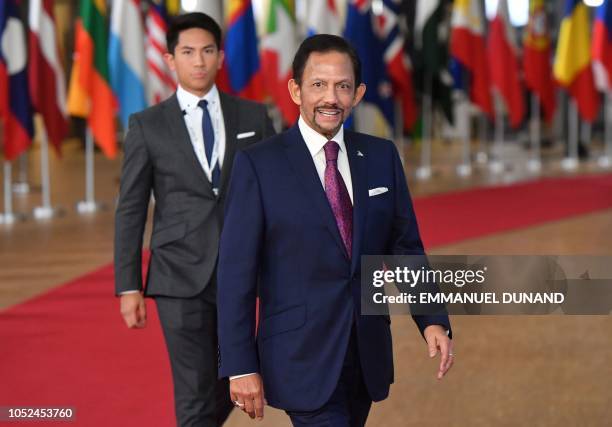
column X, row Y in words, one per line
column 349, row 404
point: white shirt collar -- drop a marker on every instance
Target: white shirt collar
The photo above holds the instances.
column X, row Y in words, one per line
column 315, row 141
column 188, row 101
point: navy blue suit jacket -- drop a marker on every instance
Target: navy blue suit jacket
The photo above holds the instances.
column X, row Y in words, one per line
column 280, row 242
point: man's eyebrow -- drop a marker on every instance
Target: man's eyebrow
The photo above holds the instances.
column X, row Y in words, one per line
column 208, row 46
column 321, row 79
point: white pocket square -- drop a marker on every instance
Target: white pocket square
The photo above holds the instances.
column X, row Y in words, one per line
column 377, row 191
column 245, row 135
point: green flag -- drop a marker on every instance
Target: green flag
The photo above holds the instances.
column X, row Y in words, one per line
column 431, row 58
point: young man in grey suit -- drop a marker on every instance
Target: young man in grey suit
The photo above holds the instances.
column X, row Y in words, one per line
column 181, row 151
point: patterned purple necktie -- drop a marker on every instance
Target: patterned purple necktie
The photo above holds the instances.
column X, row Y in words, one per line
column 338, row 196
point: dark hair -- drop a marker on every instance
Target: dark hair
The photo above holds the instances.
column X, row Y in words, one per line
column 187, row 21
column 322, row 43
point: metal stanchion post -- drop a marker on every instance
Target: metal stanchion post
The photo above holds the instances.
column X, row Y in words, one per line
column 496, row 165
column 89, row 205
column 423, row 172
column 570, row 163
column 534, row 163
column 45, row 211
column 22, row 186
column 605, row 160
column 8, row 217
column 465, row 168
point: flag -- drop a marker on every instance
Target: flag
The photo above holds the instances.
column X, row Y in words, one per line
column 126, row 58
column 241, row 68
column 359, row 30
column 572, row 67
column 602, row 47
column 397, row 62
column 15, row 102
column 504, row 64
column 386, row 69
column 46, row 73
column 279, row 44
column 173, row 7
column 161, row 82
column 537, row 54
column 322, row 17
column 467, row 46
column 90, row 95
column 431, row 59
column 213, row 8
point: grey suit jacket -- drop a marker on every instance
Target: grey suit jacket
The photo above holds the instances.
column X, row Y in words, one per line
column 187, row 222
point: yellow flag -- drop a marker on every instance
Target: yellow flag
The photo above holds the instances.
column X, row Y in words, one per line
column 173, row 6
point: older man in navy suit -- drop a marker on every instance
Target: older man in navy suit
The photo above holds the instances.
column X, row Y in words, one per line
column 298, row 218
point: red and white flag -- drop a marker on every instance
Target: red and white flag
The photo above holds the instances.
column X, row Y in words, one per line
column 504, row 64
column 46, row 73
column 161, row 82
column 467, row 47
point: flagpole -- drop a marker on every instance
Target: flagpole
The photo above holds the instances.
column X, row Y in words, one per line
column 482, row 156
column 424, row 171
column 585, row 135
column 535, row 162
column 496, row 165
column 45, row 211
column 22, row 186
column 605, row 161
column 570, row 163
column 8, row 217
column 465, row 168
column 89, row 205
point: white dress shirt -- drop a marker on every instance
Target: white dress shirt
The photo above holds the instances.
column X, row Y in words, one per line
column 315, row 142
column 192, row 113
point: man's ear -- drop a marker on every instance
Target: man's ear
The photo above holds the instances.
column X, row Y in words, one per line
column 361, row 90
column 169, row 60
column 221, row 59
column 295, row 91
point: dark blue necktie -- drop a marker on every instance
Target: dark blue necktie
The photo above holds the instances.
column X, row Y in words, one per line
column 209, row 142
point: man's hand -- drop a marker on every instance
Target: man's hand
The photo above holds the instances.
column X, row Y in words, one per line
column 436, row 338
column 134, row 310
column 248, row 394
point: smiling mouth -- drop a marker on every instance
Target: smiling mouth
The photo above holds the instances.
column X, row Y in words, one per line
column 329, row 112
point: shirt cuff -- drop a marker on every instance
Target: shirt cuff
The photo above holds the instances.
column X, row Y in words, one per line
column 129, row 292
column 235, row 377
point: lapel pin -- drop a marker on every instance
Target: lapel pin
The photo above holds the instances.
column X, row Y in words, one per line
column 359, row 154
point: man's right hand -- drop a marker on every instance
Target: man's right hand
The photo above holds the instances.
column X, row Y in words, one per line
column 134, row 310
column 248, row 394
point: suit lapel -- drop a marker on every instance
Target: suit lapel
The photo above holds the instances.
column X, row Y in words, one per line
column 301, row 161
column 174, row 116
column 357, row 156
column 230, row 119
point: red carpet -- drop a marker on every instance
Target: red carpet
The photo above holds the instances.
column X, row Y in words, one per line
column 452, row 217
column 69, row 347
